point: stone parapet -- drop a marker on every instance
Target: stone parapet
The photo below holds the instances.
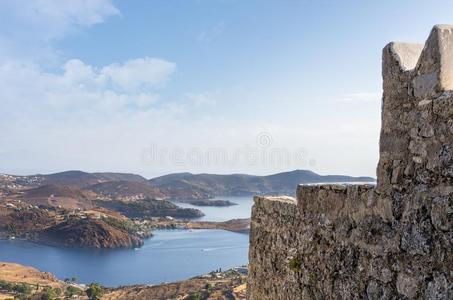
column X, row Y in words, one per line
column 389, row 241
column 335, row 201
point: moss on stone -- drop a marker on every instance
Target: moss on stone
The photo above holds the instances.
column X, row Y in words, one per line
column 295, row 264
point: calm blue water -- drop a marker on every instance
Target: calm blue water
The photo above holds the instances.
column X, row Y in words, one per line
column 212, row 213
column 168, row 256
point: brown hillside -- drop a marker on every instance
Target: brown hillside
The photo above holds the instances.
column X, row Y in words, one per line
column 126, row 189
column 89, row 233
column 59, row 195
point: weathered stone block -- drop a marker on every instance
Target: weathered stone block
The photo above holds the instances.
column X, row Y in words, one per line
column 435, row 67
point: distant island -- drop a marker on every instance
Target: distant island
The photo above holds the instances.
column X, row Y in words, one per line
column 118, row 210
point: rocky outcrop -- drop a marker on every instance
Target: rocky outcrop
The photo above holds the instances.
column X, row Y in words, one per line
column 25, row 222
column 391, row 241
column 88, row 233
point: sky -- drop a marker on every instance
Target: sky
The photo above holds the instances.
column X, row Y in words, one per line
column 202, row 86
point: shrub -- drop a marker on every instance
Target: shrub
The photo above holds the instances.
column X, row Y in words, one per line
column 4, row 285
column 57, row 291
column 48, row 293
column 126, row 225
column 194, row 296
column 94, row 291
column 72, row 290
column 21, row 297
column 47, row 296
column 22, row 288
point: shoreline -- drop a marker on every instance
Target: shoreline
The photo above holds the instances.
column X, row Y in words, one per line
column 217, row 282
column 233, row 225
column 12, row 247
column 240, row 226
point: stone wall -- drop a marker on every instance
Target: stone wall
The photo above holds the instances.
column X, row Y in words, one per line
column 389, row 241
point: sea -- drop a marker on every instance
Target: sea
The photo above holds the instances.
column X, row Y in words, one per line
column 170, row 255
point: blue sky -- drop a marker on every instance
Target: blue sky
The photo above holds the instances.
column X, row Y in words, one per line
column 228, row 86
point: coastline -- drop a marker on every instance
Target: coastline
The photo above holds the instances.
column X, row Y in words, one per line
column 241, row 226
column 35, row 283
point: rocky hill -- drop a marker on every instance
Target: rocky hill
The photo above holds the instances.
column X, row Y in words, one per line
column 89, row 233
column 59, row 195
column 21, row 222
column 58, row 228
column 228, row 285
column 83, row 179
column 110, row 176
column 210, row 185
column 179, row 186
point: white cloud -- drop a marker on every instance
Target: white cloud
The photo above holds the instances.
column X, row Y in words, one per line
column 77, row 71
column 90, row 115
column 82, row 88
column 51, row 19
column 27, row 27
column 139, row 73
column 72, row 12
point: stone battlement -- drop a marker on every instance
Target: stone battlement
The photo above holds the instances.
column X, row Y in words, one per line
column 389, row 241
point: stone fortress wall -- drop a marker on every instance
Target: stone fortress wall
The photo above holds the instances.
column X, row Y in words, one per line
column 389, row 241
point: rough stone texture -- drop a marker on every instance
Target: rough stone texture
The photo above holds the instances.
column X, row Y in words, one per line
column 434, row 72
column 389, row 241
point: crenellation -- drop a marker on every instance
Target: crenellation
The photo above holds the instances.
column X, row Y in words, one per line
column 434, row 71
column 389, row 241
column 406, row 54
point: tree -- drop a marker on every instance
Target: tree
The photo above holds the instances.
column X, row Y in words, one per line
column 48, row 293
column 194, row 296
column 71, row 291
column 94, row 291
column 47, row 296
column 4, row 285
column 21, row 297
column 23, row 288
column 57, row 291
